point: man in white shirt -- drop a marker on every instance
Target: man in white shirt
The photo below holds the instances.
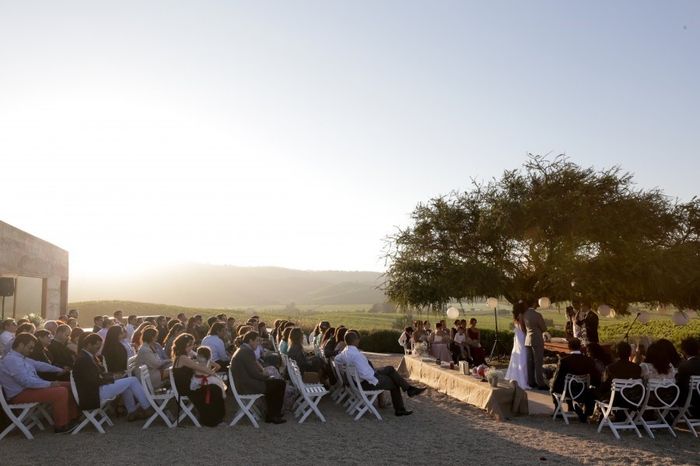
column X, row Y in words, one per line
column 130, row 326
column 385, row 378
column 215, row 342
column 9, row 327
column 106, row 324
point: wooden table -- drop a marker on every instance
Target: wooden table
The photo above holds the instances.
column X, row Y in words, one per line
column 502, row 402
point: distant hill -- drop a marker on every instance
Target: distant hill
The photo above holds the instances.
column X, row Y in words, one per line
column 220, row 286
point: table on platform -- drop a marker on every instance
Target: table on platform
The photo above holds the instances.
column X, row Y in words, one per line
column 502, row 402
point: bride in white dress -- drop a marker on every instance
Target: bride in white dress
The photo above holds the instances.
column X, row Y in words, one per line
column 517, row 368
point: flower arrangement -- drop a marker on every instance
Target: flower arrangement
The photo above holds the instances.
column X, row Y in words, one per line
column 420, row 349
column 494, row 375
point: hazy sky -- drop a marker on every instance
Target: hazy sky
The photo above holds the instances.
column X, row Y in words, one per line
column 299, row 133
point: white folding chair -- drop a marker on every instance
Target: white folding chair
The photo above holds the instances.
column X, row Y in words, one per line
column 96, row 416
column 574, row 387
column 364, row 399
column 658, row 404
column 185, row 405
column 309, row 394
column 245, row 403
column 608, row 408
column 683, row 414
column 339, row 391
column 27, row 412
column 158, row 401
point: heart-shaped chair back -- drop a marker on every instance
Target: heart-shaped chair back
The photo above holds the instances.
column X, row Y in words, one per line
column 695, row 384
column 630, row 390
column 662, row 393
column 576, row 385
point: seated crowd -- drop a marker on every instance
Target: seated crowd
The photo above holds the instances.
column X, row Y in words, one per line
column 36, row 365
column 460, row 343
column 661, row 361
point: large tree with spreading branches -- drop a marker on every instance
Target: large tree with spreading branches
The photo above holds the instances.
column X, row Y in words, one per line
column 551, row 228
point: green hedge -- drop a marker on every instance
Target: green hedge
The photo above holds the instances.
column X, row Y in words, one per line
column 655, row 329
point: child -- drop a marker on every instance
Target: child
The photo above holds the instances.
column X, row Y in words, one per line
column 204, row 358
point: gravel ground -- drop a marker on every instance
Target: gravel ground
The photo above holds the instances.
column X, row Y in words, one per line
column 441, row 430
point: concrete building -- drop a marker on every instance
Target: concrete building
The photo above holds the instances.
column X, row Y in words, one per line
column 25, row 256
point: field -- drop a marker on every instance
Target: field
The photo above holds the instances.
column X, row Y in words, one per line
column 360, row 317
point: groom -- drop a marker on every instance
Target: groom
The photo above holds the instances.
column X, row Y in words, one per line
column 534, row 346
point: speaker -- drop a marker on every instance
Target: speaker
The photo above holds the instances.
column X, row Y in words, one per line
column 7, row 286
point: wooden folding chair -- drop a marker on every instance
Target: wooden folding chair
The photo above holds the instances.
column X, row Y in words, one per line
column 309, row 394
column 96, row 416
column 185, row 405
column 683, row 414
column 19, row 413
column 245, row 403
column 364, row 399
column 608, row 408
column 158, row 401
column 574, row 387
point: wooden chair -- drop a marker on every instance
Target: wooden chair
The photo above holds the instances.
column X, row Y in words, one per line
column 23, row 416
column 158, row 401
column 608, row 408
column 245, row 403
column 574, row 388
column 364, row 399
column 309, row 394
column 683, row 418
column 96, row 416
column 185, row 405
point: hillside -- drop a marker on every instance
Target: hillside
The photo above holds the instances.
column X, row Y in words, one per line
column 218, row 286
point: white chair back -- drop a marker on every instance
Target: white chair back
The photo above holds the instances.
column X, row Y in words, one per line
column 576, row 385
column 624, row 388
column 654, row 386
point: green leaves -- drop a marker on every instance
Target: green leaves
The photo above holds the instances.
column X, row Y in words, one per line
column 539, row 228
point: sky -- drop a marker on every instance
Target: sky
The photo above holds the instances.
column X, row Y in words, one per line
column 300, row 134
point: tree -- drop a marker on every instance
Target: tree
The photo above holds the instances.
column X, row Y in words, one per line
column 551, row 228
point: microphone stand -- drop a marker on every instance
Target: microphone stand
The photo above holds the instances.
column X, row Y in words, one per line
column 627, row 334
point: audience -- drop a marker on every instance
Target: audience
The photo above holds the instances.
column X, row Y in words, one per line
column 94, row 385
column 477, row 353
column 61, row 354
column 175, row 331
column 207, row 399
column 385, row 378
column 623, row 368
column 148, row 355
column 249, row 378
column 577, row 363
column 113, row 351
column 340, row 339
column 686, row 369
column 215, row 341
column 440, row 343
column 22, row 384
column 657, row 364
column 296, row 353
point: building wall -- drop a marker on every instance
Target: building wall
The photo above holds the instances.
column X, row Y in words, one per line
column 22, row 254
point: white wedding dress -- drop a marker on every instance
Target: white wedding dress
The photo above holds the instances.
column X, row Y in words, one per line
column 517, row 368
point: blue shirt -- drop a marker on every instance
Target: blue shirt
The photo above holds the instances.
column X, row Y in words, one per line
column 217, row 347
column 18, row 372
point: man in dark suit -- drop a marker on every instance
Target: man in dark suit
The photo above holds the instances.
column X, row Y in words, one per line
column 620, row 369
column 60, row 354
column 94, row 385
column 577, row 364
column 249, row 378
column 686, row 369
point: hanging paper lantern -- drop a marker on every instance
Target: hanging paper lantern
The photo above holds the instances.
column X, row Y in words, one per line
column 644, row 317
column 604, row 310
column 679, row 318
column 544, row 302
column 492, row 302
column 613, row 313
column 452, row 313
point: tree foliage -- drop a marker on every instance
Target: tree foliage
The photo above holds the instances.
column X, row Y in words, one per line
column 550, row 228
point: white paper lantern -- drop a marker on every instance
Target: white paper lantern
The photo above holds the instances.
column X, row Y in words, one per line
column 604, row 310
column 452, row 313
column 644, row 317
column 492, row 303
column 613, row 313
column 544, row 302
column 679, row 318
